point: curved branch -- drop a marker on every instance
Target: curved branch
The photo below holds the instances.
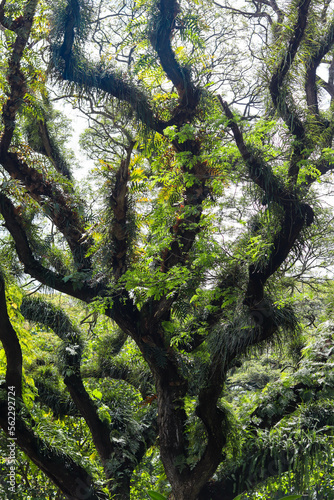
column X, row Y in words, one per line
column 70, row 477
column 119, row 203
column 278, row 12
column 259, row 171
column 324, row 46
column 32, row 266
column 47, row 314
column 118, row 369
column 262, row 462
column 249, row 15
column 256, row 468
column 51, row 150
column 11, row 345
column 276, row 91
column 162, row 33
column 77, row 70
column 296, row 217
column 329, row 87
column 61, row 206
column 40, row 311
column 16, row 78
column 291, row 403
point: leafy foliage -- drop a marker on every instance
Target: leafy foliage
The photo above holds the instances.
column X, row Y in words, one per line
column 162, row 343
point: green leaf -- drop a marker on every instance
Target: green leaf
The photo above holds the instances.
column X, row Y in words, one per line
column 97, row 394
column 193, row 298
column 67, row 278
column 156, row 496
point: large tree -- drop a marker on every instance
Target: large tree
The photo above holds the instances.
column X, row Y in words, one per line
column 209, row 135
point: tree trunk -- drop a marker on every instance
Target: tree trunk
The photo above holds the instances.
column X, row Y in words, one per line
column 172, row 419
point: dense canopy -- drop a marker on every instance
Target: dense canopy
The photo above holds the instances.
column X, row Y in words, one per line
column 131, row 296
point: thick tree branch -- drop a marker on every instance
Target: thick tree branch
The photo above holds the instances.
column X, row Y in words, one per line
column 296, row 214
column 261, row 462
column 43, row 312
column 278, row 94
column 213, row 419
column 163, row 27
column 264, row 323
column 296, row 217
column 16, row 78
column 294, row 398
column 280, row 14
column 51, row 150
column 120, row 370
column 257, row 466
column 59, row 205
column 323, row 47
column 70, row 477
column 11, row 345
column 119, row 204
column 76, row 69
column 99, row 429
column 258, row 170
column 186, row 226
column 326, row 85
column 33, row 266
column 116, row 86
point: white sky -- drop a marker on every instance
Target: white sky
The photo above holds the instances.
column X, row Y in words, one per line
column 79, row 123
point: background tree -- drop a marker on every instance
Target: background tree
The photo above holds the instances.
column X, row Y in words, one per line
column 203, row 211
